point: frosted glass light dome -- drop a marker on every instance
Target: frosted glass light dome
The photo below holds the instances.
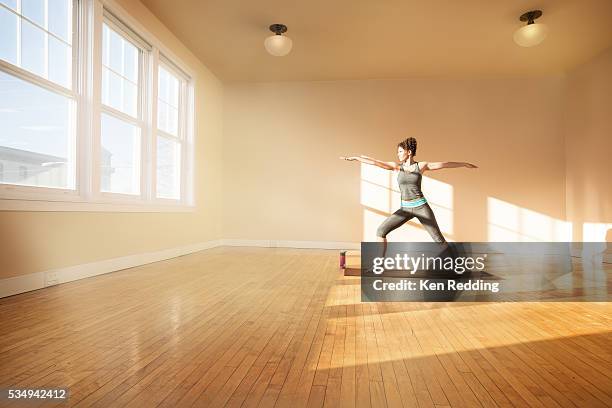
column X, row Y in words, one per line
column 530, row 35
column 278, row 45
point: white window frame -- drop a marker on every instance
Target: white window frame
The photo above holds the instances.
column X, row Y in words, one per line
column 86, row 89
column 181, row 138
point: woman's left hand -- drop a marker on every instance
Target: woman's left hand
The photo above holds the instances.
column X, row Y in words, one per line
column 471, row 166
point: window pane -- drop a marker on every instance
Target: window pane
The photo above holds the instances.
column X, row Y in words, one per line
column 37, row 137
column 167, row 102
column 33, row 48
column 8, row 36
column 60, row 19
column 122, row 55
column 168, row 87
column 34, row 10
column 162, row 91
column 173, row 120
column 162, row 115
column 167, row 118
column 41, row 53
column 111, row 86
column 174, row 92
column 10, row 3
column 119, row 156
column 119, row 93
column 60, row 58
column 130, row 63
column 105, row 41
column 120, row 72
column 168, row 168
column 115, row 47
column 130, row 98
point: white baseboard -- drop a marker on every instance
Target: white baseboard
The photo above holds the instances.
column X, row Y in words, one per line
column 38, row 280
column 245, row 242
column 317, row 244
column 20, row 284
column 291, row 244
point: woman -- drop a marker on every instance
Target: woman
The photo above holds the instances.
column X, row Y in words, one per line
column 413, row 203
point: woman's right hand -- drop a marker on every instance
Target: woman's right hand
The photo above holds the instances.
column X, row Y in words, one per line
column 351, row 158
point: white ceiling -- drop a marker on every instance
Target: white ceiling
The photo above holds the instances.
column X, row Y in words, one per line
column 376, row 39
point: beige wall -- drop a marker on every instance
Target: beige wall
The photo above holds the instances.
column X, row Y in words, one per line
column 283, row 179
column 588, row 141
column 38, row 241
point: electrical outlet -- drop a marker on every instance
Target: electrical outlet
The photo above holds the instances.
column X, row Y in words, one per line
column 51, row 279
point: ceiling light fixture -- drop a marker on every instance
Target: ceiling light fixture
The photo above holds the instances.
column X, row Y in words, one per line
column 533, row 33
column 278, row 45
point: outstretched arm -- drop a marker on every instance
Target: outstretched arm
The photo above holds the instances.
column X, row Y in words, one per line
column 373, row 162
column 445, row 165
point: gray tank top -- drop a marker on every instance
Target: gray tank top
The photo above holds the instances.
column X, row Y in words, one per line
column 410, row 182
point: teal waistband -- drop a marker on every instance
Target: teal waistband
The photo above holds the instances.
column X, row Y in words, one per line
column 414, row 203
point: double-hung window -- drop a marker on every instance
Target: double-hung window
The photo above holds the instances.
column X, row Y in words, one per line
column 93, row 110
column 38, row 99
column 122, row 123
column 171, row 129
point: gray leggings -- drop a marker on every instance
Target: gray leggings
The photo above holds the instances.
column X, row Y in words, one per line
column 424, row 214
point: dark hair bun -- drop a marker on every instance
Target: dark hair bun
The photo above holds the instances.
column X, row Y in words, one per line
column 409, row 144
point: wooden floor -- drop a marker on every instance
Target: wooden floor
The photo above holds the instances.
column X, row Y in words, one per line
column 282, row 327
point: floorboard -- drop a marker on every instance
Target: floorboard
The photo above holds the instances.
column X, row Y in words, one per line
column 249, row 327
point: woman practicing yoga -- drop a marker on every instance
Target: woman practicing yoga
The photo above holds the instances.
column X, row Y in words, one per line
column 413, row 204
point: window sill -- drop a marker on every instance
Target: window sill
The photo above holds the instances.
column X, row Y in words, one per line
column 75, row 206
